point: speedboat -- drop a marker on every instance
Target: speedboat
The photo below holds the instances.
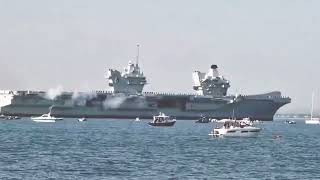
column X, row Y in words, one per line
column 203, row 120
column 2, row 116
column 236, row 128
column 162, row 120
column 82, row 119
column 137, row 119
column 46, row 118
column 290, row 122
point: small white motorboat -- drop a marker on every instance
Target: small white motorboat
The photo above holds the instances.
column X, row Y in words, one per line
column 46, row 117
column 82, row 119
column 236, row 128
column 137, row 119
column 162, row 120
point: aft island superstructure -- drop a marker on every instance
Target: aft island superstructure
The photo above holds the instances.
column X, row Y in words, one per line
column 127, row 100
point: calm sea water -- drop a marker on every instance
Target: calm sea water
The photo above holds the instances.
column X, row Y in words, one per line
column 124, row 149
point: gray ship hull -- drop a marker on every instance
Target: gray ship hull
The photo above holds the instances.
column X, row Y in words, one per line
column 254, row 107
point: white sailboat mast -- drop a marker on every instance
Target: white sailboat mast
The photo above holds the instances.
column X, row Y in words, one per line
column 312, row 104
column 233, row 118
column 138, row 53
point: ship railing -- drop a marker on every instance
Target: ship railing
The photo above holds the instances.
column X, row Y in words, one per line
column 168, row 93
column 7, row 92
column 264, row 97
column 34, row 92
column 103, row 92
column 149, row 93
column 13, row 92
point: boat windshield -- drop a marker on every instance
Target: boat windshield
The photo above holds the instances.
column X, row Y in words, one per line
column 161, row 118
column 235, row 123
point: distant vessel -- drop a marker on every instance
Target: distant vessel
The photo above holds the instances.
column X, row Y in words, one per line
column 137, row 119
column 82, row 119
column 290, row 122
column 127, row 100
column 12, row 117
column 46, row 118
column 312, row 119
column 236, row 128
column 203, row 120
column 162, row 120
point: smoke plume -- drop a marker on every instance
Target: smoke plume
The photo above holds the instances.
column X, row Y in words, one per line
column 80, row 98
column 53, row 93
column 114, row 102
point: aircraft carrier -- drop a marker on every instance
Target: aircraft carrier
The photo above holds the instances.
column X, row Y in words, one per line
column 127, row 100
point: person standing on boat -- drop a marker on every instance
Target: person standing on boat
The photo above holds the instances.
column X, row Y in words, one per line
column 242, row 124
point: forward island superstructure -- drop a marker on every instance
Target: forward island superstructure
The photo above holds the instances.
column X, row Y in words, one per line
column 127, row 100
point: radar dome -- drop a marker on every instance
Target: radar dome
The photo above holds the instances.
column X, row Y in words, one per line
column 214, row 66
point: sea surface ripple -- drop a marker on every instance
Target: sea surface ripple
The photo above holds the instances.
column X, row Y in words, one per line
column 125, row 149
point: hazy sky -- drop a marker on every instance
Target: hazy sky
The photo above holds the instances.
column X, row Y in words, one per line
column 260, row 46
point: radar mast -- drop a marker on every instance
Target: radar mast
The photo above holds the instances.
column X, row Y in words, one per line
column 212, row 83
column 138, row 53
column 130, row 81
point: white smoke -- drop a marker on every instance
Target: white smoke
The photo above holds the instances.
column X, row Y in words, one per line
column 80, row 98
column 53, row 93
column 141, row 102
column 114, row 102
column 117, row 101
